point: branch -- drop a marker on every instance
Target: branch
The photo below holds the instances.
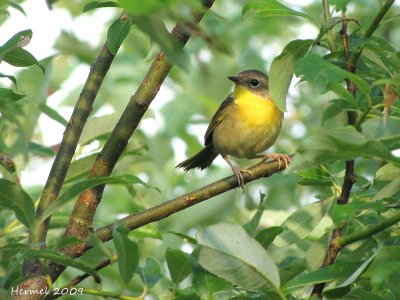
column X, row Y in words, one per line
column 175, row 205
column 170, row 207
column 80, row 278
column 62, row 161
column 364, row 234
column 350, row 177
column 81, row 218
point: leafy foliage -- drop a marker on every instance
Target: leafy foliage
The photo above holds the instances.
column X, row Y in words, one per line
column 271, row 241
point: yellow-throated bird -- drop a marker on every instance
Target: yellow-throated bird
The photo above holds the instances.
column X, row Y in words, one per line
column 246, row 124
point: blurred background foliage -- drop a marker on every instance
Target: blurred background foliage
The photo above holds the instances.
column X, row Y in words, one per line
column 224, row 44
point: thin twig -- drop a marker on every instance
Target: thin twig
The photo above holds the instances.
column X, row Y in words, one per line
column 78, row 279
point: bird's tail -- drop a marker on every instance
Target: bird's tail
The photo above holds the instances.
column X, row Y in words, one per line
column 201, row 160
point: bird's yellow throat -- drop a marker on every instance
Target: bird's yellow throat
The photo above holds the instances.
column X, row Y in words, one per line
column 255, row 110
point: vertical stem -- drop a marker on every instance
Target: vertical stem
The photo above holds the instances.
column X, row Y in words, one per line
column 327, row 18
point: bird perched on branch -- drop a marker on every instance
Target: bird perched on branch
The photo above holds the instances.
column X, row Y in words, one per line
column 246, row 124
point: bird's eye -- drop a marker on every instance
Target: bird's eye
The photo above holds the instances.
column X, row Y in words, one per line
column 255, row 83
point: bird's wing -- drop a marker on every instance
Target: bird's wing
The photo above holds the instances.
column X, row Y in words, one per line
column 216, row 119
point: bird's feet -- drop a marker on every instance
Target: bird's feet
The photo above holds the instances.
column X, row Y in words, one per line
column 239, row 175
column 278, row 157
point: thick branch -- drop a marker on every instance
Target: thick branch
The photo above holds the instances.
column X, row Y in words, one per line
column 66, row 151
column 81, row 218
column 82, row 215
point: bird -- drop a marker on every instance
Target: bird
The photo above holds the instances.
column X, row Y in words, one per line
column 246, row 124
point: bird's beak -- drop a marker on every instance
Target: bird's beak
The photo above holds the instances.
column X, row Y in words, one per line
column 235, row 79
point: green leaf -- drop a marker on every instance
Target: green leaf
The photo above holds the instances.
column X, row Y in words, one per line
column 7, row 162
column 359, row 293
column 301, row 223
column 184, row 237
column 386, row 266
column 83, row 185
column 340, row 5
column 80, row 167
column 12, row 78
column 266, row 236
column 388, row 172
column 68, row 241
column 314, row 177
column 337, row 271
column 344, row 287
column 207, row 284
column 18, row 7
column 154, row 26
column 380, row 52
column 63, row 260
column 99, row 4
column 388, row 191
column 117, row 32
column 324, row 75
column 349, row 211
column 127, row 252
column 150, row 273
column 97, row 243
column 144, row 8
column 343, row 143
column 147, row 231
column 13, row 197
column 252, row 225
column 9, row 95
column 178, row 265
column 316, row 252
column 19, row 57
column 97, row 127
column 19, row 40
column 281, row 71
column 52, row 114
column 269, row 8
column 388, row 135
column 230, row 253
column 41, row 150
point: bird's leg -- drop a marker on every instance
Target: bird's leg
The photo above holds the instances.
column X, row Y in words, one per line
column 237, row 172
column 277, row 156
